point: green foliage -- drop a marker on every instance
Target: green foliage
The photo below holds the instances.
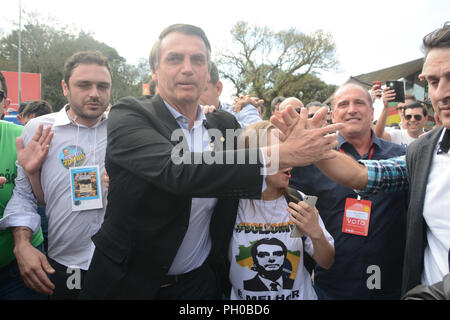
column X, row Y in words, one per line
column 268, row 64
column 46, row 48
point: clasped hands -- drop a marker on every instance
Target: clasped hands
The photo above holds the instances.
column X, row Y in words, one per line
column 304, row 141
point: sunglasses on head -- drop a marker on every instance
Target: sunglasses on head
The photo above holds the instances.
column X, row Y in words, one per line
column 418, row 117
column 2, row 95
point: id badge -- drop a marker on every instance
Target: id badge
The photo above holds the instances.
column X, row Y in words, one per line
column 356, row 216
column 85, row 186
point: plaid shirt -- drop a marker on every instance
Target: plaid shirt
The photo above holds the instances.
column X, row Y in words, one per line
column 385, row 175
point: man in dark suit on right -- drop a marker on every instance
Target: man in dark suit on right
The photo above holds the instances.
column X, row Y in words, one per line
column 424, row 173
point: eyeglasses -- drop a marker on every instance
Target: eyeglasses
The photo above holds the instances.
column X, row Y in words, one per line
column 2, row 95
column 418, row 117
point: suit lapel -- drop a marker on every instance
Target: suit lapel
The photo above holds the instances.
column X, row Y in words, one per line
column 164, row 114
column 426, row 153
column 419, row 166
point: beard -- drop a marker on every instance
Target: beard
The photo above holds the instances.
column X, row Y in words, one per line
column 80, row 112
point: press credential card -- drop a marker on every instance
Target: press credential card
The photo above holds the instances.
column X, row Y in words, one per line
column 85, row 185
column 356, row 217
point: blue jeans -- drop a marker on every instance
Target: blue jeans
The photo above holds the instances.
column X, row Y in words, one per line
column 12, row 286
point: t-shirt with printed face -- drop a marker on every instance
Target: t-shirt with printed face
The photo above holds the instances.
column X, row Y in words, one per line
column 265, row 262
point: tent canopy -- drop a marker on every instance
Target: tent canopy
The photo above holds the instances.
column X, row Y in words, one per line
column 408, row 70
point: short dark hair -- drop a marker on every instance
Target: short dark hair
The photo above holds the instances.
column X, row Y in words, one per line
column 439, row 38
column 269, row 241
column 23, row 106
column 37, row 108
column 214, row 74
column 181, row 28
column 84, row 57
column 276, row 100
column 416, row 105
column 3, row 82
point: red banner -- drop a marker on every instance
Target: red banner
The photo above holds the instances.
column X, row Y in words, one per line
column 30, row 85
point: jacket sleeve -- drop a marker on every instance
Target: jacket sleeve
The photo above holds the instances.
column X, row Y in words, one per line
column 141, row 143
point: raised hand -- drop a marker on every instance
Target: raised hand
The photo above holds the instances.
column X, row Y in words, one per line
column 33, row 155
column 303, row 141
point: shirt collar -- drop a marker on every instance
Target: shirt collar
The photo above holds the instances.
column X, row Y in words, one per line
column 182, row 120
column 438, row 145
column 268, row 282
column 342, row 141
column 63, row 119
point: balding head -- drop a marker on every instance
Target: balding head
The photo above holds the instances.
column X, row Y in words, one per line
column 347, row 86
column 352, row 105
column 291, row 101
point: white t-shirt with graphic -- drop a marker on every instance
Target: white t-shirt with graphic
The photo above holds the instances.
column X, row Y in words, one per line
column 401, row 137
column 262, row 230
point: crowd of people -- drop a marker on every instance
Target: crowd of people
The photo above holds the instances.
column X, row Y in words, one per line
column 153, row 198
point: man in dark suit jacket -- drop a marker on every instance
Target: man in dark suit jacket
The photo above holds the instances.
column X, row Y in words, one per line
column 168, row 222
column 425, row 172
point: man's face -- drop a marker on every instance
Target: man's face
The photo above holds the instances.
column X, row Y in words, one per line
column 414, row 124
column 270, row 257
column 294, row 102
column 88, row 92
column 436, row 71
column 210, row 97
column 352, row 107
column 182, row 71
column 401, row 107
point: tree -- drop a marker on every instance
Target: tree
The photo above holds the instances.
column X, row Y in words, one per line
column 268, row 64
column 46, row 48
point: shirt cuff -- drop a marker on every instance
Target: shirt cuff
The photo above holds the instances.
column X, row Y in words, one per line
column 263, row 171
column 33, row 222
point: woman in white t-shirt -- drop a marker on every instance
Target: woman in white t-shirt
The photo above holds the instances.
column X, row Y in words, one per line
column 265, row 262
